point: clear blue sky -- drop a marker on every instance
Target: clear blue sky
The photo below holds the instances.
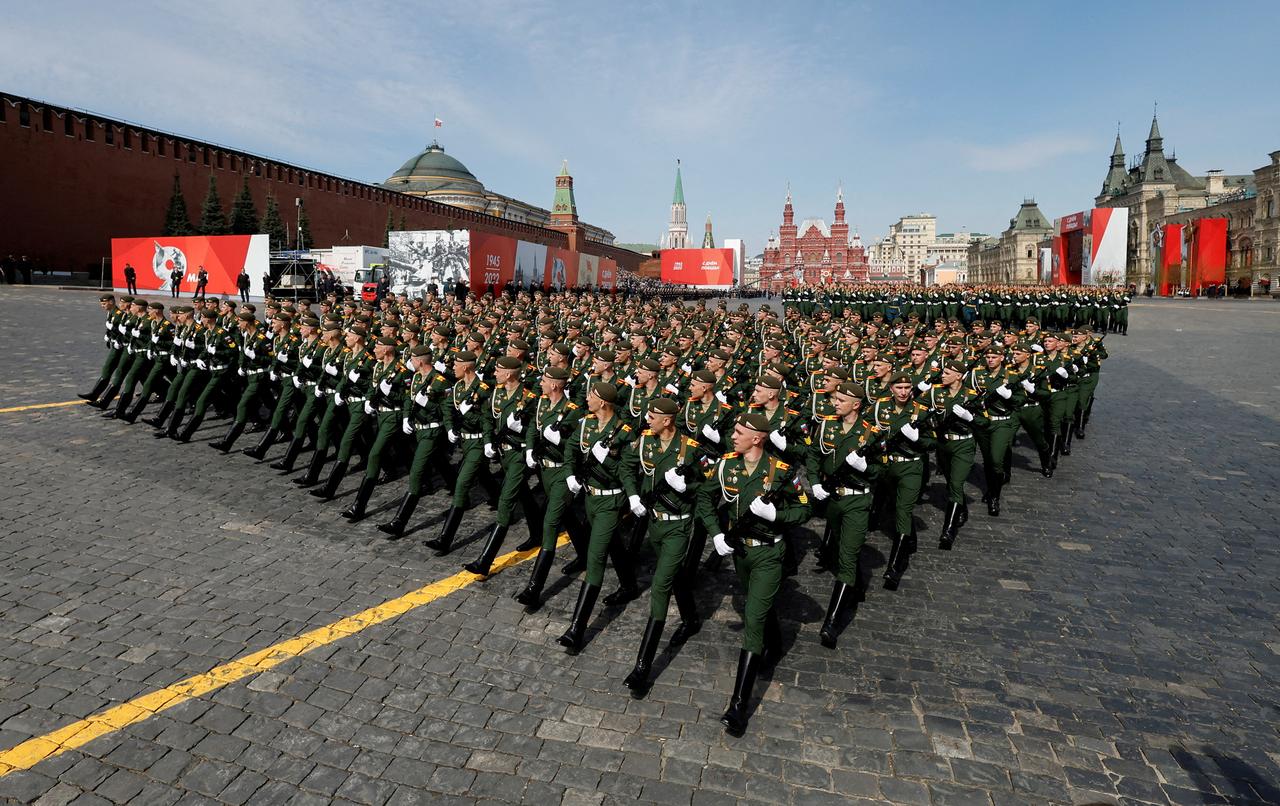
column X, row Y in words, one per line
column 929, row 106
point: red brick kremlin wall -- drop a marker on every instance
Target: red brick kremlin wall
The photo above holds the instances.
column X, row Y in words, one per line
column 70, row 182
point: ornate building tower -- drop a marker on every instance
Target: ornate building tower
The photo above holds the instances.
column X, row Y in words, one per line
column 708, row 240
column 678, row 229
column 564, row 210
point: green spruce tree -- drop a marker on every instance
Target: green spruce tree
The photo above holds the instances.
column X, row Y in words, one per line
column 212, row 220
column 304, row 229
column 273, row 225
column 176, row 219
column 244, row 216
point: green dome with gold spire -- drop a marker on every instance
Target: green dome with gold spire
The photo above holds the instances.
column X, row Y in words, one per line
column 433, row 171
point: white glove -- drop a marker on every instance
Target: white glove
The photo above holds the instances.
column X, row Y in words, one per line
column 637, row 508
column 572, row 483
column 820, row 493
column 513, row 423
column 1037, row 348
column 319, row 391
column 1029, row 386
column 760, row 508
column 910, row 432
column 240, row 371
column 464, row 407
column 353, row 375
column 283, row 358
column 529, row 461
column 173, row 361
column 721, row 397
column 855, row 461
column 453, row 437
column 1075, row 368
column 106, row 338
column 710, row 433
column 406, row 426
column 551, row 435
column 630, row 380
column 778, row 439
column 489, row 451
column 210, row 349
column 307, row 361
column 368, row 407
column 687, row 367
column 330, row 369
column 337, row 398
column 420, row 398
column 672, row 388
column 1061, row 372
column 600, row 452
column 674, row 480
column 923, row 386
column 962, row 412
column 200, row 364
column 250, row 353
column 722, row 546
column 439, row 365
column 385, row 386
column 1004, row 391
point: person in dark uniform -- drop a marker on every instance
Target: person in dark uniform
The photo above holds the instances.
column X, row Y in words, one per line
column 202, row 282
column 242, row 283
column 131, row 278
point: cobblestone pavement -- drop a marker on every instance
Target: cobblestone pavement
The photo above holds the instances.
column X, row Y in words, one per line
column 1112, row 637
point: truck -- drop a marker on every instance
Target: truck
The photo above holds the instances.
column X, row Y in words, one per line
column 345, row 261
column 366, row 281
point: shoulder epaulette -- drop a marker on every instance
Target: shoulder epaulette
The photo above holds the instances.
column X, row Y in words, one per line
column 782, row 465
column 793, row 411
column 570, row 405
column 626, row 427
column 648, row 432
column 691, row 442
column 730, row 455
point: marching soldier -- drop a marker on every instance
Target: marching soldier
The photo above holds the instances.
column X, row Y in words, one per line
column 255, row 359
column 464, row 427
column 421, row 417
column 954, row 403
column 899, row 418
column 384, row 400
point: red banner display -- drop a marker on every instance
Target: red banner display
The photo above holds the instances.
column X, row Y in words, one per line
column 1208, row 253
column 608, row 274
column 496, row 260
column 493, row 261
column 1170, row 257
column 698, row 267
column 222, row 256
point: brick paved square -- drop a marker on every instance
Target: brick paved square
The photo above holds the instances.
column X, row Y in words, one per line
column 1112, row 636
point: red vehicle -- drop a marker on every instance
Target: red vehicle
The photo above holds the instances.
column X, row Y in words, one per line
column 367, row 281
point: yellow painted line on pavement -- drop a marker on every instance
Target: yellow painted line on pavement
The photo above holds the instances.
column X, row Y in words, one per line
column 26, row 755
column 40, row 406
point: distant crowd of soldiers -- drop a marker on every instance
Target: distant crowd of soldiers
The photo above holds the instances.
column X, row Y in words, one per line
column 620, row 424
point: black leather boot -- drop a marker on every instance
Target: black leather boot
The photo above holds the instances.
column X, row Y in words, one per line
column 259, row 451
column 97, row 389
column 233, row 433
column 638, row 680
column 897, row 563
column 772, row 640
column 531, row 595
column 623, row 565
column 481, row 565
column 948, row 525
column 175, row 423
column 1046, row 464
column 330, row 488
column 122, row 405
column 312, row 476
column 443, row 543
column 963, row 517
column 397, row 525
column 189, row 430
column 735, row 718
column 840, row 594
column 577, row 632
column 993, row 505
column 824, row 550
column 355, row 512
column 1057, row 451
column 285, row 465
column 1066, row 440
column 690, row 623
column 1079, row 424
column 162, row 415
column 106, row 397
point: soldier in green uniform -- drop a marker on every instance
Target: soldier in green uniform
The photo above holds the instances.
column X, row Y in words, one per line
column 137, row 361
column 289, row 351
column 1090, row 353
column 348, row 370
column 748, row 501
column 843, row 476
column 1056, row 368
column 182, row 358
column 111, row 338
column 546, row 443
column 157, row 338
column 999, row 396
column 901, row 420
column 1030, row 414
column 464, row 426
column 421, row 417
column 506, row 412
column 593, row 456
column 384, row 401
column 954, row 403
column 319, row 378
column 255, row 360
column 215, row 350
column 664, row 470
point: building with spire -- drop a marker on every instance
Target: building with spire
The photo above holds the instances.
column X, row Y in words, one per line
column 708, row 240
column 1013, row 258
column 813, row 252
column 677, row 236
column 1153, row 187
